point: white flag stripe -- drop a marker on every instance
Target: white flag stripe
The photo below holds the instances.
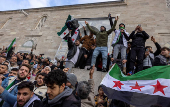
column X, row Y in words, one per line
column 148, row 89
column 64, row 33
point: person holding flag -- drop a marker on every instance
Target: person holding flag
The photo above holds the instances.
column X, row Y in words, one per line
column 119, row 42
column 101, row 43
column 71, row 24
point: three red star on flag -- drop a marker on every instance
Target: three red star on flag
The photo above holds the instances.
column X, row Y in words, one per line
column 64, row 33
column 137, row 86
column 158, row 86
column 73, row 39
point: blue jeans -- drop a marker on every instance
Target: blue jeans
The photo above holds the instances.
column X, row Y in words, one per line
column 104, row 53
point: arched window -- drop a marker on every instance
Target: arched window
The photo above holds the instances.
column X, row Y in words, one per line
column 28, row 44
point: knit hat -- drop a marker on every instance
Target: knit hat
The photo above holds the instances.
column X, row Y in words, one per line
column 72, row 79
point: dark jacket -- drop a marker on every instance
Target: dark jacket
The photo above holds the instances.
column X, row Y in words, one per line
column 33, row 102
column 102, row 37
column 72, row 49
column 64, row 99
column 161, row 60
column 138, row 39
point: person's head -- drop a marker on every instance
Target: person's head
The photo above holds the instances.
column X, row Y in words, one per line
column 58, row 63
column 71, row 80
column 25, row 61
column 3, row 68
column 47, row 69
column 55, row 82
column 13, row 60
column 121, row 25
column 77, row 42
column 91, row 35
column 40, row 79
column 25, row 92
column 100, row 90
column 2, row 59
column 102, row 28
column 24, row 71
column 148, row 48
column 13, row 72
column 165, row 51
column 29, row 56
column 83, row 89
column 6, row 62
column 4, row 54
column 129, row 44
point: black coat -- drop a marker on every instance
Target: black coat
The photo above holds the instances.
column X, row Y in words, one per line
column 36, row 103
column 138, row 39
column 69, row 101
column 72, row 49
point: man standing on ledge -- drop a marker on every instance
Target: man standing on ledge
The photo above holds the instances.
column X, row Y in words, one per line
column 101, row 43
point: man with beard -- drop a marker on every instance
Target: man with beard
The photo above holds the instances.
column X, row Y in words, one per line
column 13, row 62
column 26, row 97
column 8, row 87
column 74, row 53
column 39, row 86
column 59, row 95
column 101, row 43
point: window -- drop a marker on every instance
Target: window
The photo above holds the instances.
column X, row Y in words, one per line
column 41, row 22
column 6, row 22
column 28, row 44
column 168, row 3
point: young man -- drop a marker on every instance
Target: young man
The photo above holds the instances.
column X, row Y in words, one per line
column 59, row 95
column 163, row 59
column 2, row 59
column 25, row 61
column 4, row 70
column 8, row 87
column 26, row 97
column 13, row 72
column 119, row 43
column 150, row 55
column 74, row 53
column 101, row 43
column 137, row 48
column 39, row 86
column 71, row 81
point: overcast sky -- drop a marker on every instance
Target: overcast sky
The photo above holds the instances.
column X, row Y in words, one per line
column 25, row 4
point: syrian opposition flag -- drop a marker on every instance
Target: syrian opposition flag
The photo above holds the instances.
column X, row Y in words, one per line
column 10, row 46
column 143, row 89
column 65, row 31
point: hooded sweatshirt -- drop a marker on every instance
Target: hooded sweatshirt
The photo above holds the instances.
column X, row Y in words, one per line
column 64, row 99
column 33, row 102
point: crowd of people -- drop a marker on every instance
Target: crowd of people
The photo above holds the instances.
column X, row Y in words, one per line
column 29, row 80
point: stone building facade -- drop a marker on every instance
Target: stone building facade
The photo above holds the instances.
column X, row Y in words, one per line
column 42, row 24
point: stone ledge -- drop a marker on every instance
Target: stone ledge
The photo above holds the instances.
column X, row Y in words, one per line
column 70, row 7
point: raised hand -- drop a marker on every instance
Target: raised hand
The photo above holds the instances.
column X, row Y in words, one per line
column 117, row 18
column 153, row 39
column 91, row 72
column 86, row 22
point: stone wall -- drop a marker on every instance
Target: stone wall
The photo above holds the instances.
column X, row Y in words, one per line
column 153, row 15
